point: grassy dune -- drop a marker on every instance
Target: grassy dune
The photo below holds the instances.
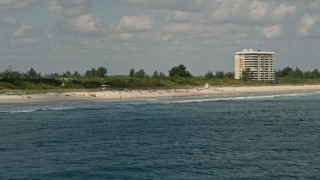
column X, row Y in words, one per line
column 19, row 86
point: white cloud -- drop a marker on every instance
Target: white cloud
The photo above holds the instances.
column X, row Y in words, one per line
column 212, row 28
column 86, row 23
column 227, row 10
column 78, row 2
column 22, row 30
column 259, row 10
column 306, row 24
column 74, row 15
column 272, row 31
column 135, row 23
column 75, row 11
column 59, row 9
column 15, row 5
column 238, row 11
column 315, row 5
column 182, row 16
column 8, row 21
column 55, row 9
column 284, row 9
column 125, row 36
column 251, row 11
column 169, row 4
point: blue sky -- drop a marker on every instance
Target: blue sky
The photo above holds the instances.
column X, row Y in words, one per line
column 76, row 35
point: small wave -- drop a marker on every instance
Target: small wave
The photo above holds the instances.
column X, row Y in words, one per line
column 225, row 99
column 216, row 99
column 30, row 110
column 57, row 108
column 303, row 93
column 152, row 100
column 20, row 111
column 258, row 97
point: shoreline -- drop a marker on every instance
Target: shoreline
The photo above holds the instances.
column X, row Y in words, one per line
column 149, row 94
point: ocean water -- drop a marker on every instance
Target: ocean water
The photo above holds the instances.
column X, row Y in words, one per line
column 260, row 136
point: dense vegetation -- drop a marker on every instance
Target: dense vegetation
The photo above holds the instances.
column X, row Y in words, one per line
column 178, row 77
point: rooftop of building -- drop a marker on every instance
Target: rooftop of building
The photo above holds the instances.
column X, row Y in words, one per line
column 252, row 51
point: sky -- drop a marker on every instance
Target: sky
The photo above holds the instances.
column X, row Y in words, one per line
column 77, row 35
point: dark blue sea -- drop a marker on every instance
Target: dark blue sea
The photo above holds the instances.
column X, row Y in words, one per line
column 258, row 136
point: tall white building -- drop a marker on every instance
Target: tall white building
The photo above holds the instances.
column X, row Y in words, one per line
column 260, row 64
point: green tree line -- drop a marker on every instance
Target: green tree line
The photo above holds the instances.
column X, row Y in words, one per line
column 288, row 72
column 177, row 76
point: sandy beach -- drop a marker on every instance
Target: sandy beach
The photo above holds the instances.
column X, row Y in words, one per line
column 152, row 93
